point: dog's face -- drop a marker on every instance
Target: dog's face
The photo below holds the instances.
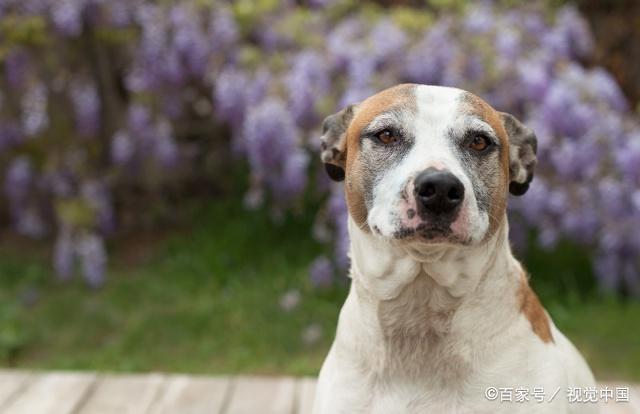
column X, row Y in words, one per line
column 428, row 164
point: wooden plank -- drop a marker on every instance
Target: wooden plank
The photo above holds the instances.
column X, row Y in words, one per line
column 192, row 395
column 253, row 395
column 306, row 395
column 60, row 393
column 11, row 384
column 635, row 398
column 613, row 407
column 56, row 392
column 122, row 394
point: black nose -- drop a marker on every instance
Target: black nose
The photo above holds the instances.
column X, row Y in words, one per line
column 438, row 192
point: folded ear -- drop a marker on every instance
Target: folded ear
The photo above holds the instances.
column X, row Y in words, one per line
column 523, row 146
column 334, row 142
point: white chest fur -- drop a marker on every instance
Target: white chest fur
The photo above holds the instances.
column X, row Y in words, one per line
column 430, row 331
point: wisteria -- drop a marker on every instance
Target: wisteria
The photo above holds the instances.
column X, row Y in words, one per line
column 86, row 107
column 80, row 124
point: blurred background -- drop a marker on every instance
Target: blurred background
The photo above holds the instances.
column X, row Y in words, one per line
column 162, row 204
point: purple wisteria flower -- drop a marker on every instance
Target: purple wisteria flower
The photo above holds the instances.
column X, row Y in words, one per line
column 10, row 135
column 230, row 95
column 388, row 42
column 343, row 40
column 123, row 148
column 189, row 40
column 269, row 90
column 93, row 258
column 272, row 144
column 34, row 109
column 428, row 62
column 223, row 30
column 99, row 199
column 164, row 145
column 29, row 222
column 605, row 88
column 628, row 158
column 16, row 67
column 121, row 13
column 321, row 272
column 19, row 177
column 21, row 182
column 307, row 82
column 64, row 254
column 67, row 16
column 479, row 19
column 575, row 30
column 86, row 105
column 534, row 77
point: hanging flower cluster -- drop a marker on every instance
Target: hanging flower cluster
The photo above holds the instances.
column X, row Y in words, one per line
column 77, row 127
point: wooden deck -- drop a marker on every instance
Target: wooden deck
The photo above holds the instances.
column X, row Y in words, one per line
column 89, row 393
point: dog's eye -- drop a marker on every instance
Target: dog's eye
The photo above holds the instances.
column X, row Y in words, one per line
column 479, row 143
column 387, row 137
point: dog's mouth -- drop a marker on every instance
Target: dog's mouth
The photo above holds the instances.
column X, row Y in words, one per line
column 405, row 225
column 429, row 233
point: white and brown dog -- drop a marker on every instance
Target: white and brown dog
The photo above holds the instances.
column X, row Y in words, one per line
column 439, row 311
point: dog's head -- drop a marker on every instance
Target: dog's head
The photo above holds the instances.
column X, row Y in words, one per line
column 428, row 164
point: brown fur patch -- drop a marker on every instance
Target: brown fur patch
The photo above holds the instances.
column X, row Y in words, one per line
column 365, row 113
column 483, row 110
column 532, row 309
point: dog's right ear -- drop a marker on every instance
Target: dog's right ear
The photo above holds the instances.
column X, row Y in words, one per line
column 334, row 142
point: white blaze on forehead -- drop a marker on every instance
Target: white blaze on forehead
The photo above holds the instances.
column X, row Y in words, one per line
column 442, row 111
column 438, row 107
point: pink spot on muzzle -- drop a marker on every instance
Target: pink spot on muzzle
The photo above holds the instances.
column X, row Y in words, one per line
column 438, row 165
column 460, row 226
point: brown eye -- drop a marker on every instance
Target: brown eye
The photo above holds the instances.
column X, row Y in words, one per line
column 479, row 143
column 387, row 137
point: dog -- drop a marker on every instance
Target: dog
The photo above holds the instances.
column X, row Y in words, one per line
column 440, row 317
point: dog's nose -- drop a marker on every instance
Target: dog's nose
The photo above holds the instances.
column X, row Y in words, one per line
column 438, row 191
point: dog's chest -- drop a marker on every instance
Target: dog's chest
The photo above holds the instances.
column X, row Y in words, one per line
column 416, row 329
column 421, row 308
column 414, row 398
column 411, row 396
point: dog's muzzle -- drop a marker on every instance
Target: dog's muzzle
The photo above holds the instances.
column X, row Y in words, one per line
column 439, row 194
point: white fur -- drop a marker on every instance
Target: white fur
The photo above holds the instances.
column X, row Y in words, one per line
column 483, row 338
column 427, row 328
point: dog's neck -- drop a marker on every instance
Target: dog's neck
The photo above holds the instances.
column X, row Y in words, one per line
column 408, row 301
column 385, row 268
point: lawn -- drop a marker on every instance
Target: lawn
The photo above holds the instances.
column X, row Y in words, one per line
column 205, row 296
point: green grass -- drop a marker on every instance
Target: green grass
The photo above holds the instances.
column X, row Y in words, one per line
column 604, row 328
column 204, row 297
column 606, row 332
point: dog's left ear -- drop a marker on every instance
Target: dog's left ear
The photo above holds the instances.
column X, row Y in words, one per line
column 334, row 142
column 523, row 146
